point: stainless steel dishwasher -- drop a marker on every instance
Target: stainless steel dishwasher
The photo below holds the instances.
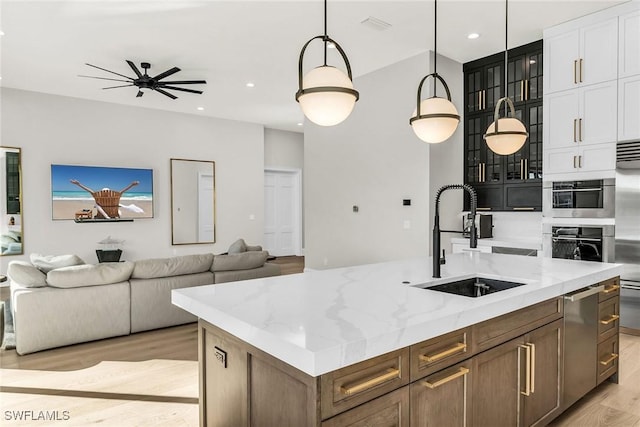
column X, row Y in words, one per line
column 580, row 343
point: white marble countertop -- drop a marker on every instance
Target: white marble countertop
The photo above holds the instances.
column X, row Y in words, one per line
column 524, row 243
column 319, row 321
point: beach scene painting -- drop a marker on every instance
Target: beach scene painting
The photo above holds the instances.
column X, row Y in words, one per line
column 104, row 193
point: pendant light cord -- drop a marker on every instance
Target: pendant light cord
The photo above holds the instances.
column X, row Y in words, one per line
column 506, row 54
column 435, row 44
column 325, row 33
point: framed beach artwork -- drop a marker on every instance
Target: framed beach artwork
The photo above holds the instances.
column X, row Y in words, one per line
column 97, row 193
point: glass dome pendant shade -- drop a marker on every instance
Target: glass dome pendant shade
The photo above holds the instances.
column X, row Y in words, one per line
column 326, row 94
column 505, row 135
column 434, row 119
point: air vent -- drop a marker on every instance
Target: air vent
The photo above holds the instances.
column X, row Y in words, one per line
column 376, row 24
column 628, row 151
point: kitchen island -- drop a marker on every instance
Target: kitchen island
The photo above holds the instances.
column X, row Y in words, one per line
column 334, row 347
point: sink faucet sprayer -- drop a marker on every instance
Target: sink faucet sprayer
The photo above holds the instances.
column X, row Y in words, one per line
column 473, row 242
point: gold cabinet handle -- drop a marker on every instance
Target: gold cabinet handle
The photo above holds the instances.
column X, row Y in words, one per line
column 483, row 209
column 526, row 90
column 533, row 367
column 611, row 289
column 580, row 129
column 521, row 168
column 521, row 90
column 579, row 162
column 575, row 123
column 484, row 172
column 523, row 209
column 461, row 372
column 484, row 98
column 611, row 318
column 574, row 161
column 575, row 71
column 479, row 172
column 390, row 374
column 527, row 370
column 610, row 359
column 580, row 73
column 479, row 100
column 526, row 169
column 458, row 347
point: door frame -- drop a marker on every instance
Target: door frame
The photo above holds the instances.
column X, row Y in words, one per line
column 297, row 214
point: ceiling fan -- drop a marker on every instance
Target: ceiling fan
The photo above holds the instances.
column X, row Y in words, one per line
column 145, row 81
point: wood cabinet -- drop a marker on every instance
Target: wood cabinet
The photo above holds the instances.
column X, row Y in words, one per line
column 503, row 371
column 513, row 182
column 581, row 56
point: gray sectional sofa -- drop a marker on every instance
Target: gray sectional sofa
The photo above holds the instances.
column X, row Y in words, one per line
column 55, row 306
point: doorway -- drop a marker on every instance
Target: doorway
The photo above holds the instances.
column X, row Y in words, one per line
column 283, row 211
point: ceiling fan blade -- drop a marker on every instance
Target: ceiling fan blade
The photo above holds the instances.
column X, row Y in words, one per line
column 113, row 87
column 165, row 93
column 105, row 78
column 185, row 82
column 134, row 68
column 182, row 89
column 140, row 93
column 109, row 71
column 167, row 73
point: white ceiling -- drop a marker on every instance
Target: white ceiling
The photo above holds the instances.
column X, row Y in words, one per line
column 229, row 43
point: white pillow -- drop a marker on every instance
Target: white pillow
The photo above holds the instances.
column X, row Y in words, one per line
column 24, row 274
column 90, row 274
column 46, row 263
column 237, row 247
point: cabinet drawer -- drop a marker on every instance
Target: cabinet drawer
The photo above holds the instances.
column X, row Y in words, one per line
column 389, row 410
column 353, row 385
column 501, row 329
column 608, row 353
column 608, row 315
column 611, row 289
column 440, row 352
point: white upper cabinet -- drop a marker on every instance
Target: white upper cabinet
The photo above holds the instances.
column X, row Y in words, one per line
column 581, row 56
column 629, row 108
column 581, row 117
column 629, row 48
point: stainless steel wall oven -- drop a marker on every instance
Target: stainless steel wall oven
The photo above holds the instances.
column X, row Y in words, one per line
column 579, row 242
column 579, row 199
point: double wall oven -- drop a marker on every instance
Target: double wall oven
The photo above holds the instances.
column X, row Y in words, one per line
column 599, row 221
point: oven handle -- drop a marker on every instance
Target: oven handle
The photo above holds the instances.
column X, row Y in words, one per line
column 575, row 239
column 576, row 190
column 630, row 285
column 584, row 294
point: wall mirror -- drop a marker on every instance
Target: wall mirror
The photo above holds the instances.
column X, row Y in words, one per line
column 192, row 202
column 11, row 236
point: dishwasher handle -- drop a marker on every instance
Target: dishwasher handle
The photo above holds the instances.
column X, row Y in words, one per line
column 592, row 290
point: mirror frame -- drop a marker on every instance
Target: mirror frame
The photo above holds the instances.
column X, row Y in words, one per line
column 175, row 241
column 4, row 226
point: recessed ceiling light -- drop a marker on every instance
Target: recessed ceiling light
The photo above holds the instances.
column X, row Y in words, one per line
column 251, row 84
column 473, row 36
column 200, row 108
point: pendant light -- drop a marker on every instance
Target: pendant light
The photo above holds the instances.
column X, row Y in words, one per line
column 435, row 119
column 326, row 94
column 505, row 135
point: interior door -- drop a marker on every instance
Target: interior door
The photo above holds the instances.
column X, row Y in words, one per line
column 282, row 219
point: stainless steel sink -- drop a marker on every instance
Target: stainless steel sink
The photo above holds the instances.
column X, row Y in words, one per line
column 473, row 287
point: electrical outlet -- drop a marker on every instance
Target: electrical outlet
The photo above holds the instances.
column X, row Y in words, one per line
column 221, row 356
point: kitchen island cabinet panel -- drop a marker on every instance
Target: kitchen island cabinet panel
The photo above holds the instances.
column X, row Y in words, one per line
column 389, row 410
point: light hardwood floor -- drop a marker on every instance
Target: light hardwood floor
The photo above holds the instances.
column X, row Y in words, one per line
column 151, row 379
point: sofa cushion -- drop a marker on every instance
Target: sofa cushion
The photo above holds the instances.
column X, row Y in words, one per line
column 242, row 261
column 26, row 274
column 254, row 248
column 174, row 266
column 90, row 274
column 46, row 263
column 238, row 247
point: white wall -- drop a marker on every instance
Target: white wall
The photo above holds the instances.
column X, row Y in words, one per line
column 54, row 129
column 372, row 160
column 283, row 149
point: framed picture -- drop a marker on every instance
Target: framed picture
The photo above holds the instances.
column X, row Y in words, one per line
column 91, row 193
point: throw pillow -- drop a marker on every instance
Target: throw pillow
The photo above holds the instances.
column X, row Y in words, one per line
column 90, row 274
column 243, row 261
column 238, row 247
column 46, row 263
column 25, row 274
column 254, row 248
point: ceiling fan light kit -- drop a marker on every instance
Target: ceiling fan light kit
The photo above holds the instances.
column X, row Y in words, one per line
column 435, row 119
column 146, row 82
column 326, row 94
column 505, row 135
